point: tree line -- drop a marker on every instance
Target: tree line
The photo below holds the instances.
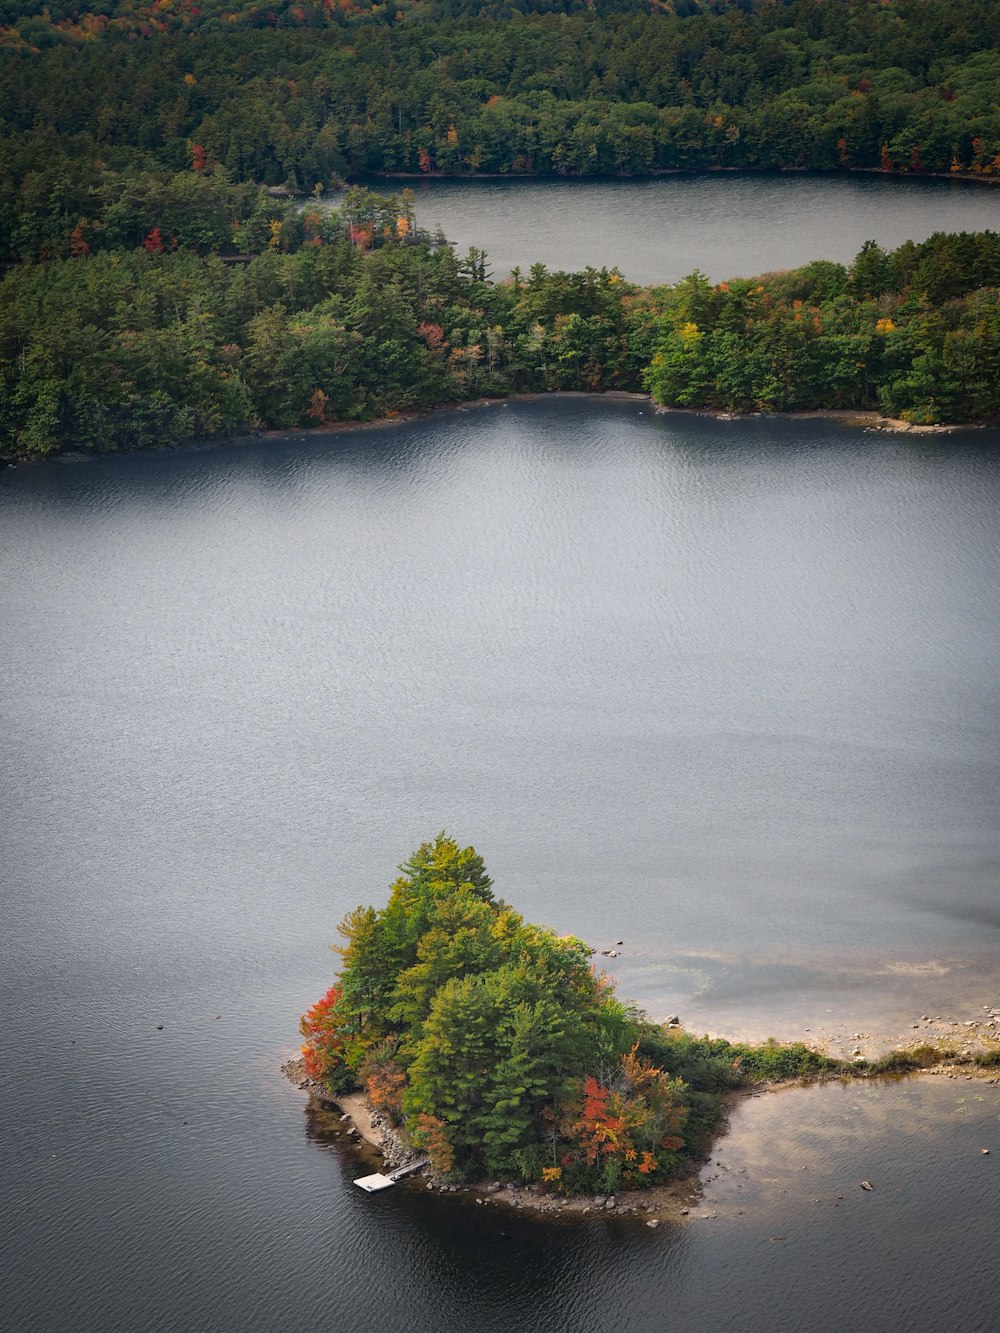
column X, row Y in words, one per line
column 299, row 95
column 498, row 1048
column 353, row 313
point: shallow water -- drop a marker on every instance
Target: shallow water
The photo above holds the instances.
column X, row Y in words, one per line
column 724, row 690
column 727, row 225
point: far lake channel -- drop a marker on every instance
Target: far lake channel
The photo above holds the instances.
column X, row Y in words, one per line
column 727, row 224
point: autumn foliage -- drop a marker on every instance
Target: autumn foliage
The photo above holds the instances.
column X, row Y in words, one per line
column 496, row 1048
column 323, row 1052
column 492, row 1042
column 78, row 246
column 430, row 1133
column 628, row 1132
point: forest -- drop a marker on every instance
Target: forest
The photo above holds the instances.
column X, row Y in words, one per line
column 104, row 105
column 501, row 1050
column 352, row 313
column 171, row 270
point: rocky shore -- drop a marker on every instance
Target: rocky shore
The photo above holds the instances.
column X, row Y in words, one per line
column 958, row 1039
column 368, row 1126
column 957, row 1044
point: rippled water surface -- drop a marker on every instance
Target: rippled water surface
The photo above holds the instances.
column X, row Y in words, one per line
column 726, row 225
column 724, row 690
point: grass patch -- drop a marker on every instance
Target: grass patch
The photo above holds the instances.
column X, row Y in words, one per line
column 712, row 1064
column 905, row 1062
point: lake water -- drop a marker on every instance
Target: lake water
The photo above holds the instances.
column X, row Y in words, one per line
column 727, row 225
column 726, row 691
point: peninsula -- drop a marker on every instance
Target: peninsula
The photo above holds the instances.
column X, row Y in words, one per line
column 353, row 314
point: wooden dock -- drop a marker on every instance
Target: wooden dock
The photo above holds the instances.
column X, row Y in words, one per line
column 372, row 1184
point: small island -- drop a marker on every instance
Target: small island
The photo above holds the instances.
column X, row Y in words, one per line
column 460, row 1033
column 496, row 1049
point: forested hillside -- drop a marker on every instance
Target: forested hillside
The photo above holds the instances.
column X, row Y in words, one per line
column 350, row 314
column 102, row 103
column 166, row 282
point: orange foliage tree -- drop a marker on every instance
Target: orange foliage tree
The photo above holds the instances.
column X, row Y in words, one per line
column 430, row 1133
column 625, row 1131
column 384, row 1080
column 78, row 246
column 323, row 1028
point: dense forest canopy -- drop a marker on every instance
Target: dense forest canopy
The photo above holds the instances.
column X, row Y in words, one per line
column 499, row 1048
column 99, row 99
column 165, row 283
column 353, row 313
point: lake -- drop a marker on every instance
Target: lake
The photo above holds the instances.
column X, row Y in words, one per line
column 728, row 224
column 726, row 691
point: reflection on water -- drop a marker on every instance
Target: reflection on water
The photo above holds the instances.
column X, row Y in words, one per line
column 790, row 1146
column 781, row 1225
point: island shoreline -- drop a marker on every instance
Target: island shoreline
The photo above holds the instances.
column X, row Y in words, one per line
column 671, row 1202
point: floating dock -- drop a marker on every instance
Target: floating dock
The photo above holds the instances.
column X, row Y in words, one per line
column 372, row 1184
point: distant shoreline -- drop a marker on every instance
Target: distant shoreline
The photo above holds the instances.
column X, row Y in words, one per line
column 659, row 172
column 848, row 416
